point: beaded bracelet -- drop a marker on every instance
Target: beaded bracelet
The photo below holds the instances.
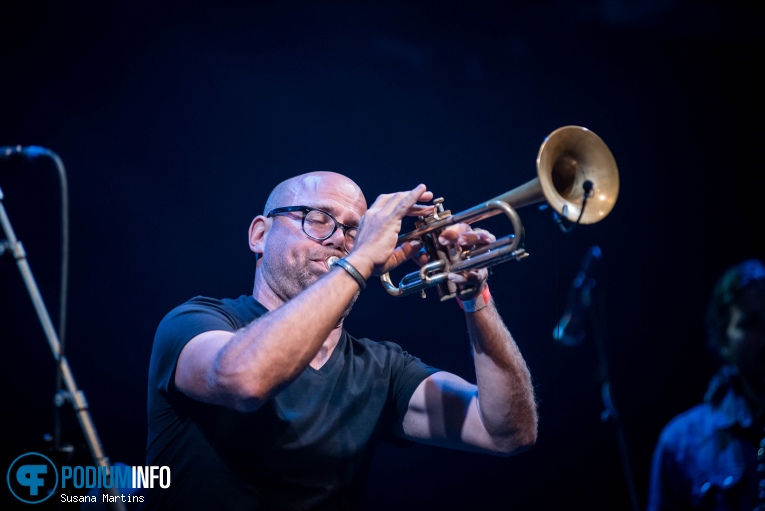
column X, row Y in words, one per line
column 478, row 302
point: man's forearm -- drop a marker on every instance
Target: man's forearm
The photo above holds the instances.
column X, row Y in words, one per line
column 505, row 392
column 275, row 348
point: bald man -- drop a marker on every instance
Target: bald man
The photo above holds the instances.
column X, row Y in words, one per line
column 266, row 402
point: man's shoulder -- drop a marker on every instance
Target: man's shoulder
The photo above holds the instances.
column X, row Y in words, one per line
column 208, row 301
column 697, row 413
column 694, row 423
column 365, row 343
column 385, row 353
column 234, row 313
column 241, row 304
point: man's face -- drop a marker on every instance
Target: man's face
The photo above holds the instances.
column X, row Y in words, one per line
column 746, row 336
column 291, row 260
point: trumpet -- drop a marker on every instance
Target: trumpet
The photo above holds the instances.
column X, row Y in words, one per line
column 577, row 176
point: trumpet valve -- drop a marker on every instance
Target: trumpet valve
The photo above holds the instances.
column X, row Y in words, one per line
column 438, row 211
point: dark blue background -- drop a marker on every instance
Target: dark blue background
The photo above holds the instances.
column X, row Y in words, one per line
column 175, row 119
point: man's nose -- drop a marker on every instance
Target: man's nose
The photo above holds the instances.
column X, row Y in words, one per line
column 337, row 239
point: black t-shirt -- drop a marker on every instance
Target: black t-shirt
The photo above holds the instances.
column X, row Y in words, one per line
column 309, row 447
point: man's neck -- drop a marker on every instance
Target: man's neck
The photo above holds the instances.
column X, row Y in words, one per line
column 327, row 348
column 271, row 302
column 266, row 297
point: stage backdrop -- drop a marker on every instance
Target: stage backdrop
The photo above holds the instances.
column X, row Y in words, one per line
column 173, row 120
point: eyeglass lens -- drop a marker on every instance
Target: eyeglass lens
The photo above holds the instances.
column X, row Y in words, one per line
column 320, row 225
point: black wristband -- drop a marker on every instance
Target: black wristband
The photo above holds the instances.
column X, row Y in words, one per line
column 353, row 272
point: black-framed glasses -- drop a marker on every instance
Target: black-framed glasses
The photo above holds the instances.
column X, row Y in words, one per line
column 319, row 225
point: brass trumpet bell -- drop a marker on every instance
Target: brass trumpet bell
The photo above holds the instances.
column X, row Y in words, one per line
column 569, row 158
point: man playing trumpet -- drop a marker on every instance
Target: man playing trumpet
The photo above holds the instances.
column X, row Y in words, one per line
column 266, row 401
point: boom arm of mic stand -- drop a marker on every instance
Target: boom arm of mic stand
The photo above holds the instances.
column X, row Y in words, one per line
column 77, row 397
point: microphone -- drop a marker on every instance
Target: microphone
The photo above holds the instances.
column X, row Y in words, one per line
column 568, row 331
column 31, row 151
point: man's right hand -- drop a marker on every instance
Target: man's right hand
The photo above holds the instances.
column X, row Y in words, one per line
column 376, row 247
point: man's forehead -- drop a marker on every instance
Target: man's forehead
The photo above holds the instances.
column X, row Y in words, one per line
column 325, row 188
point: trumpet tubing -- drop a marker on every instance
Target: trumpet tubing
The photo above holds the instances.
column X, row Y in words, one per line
column 577, row 176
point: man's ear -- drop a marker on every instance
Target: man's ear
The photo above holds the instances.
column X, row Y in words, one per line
column 258, row 233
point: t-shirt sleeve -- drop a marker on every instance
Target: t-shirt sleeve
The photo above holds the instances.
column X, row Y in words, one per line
column 409, row 372
column 178, row 327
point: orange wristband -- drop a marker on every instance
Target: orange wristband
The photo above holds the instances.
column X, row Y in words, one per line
column 477, row 303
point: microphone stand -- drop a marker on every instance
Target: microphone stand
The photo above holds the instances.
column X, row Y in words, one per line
column 609, row 412
column 73, row 394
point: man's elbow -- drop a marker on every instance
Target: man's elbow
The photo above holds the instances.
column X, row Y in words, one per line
column 525, row 441
column 517, row 441
column 243, row 394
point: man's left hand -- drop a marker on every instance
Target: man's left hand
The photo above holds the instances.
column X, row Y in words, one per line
column 464, row 237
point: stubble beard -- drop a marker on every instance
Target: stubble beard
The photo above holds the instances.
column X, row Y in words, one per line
column 287, row 281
